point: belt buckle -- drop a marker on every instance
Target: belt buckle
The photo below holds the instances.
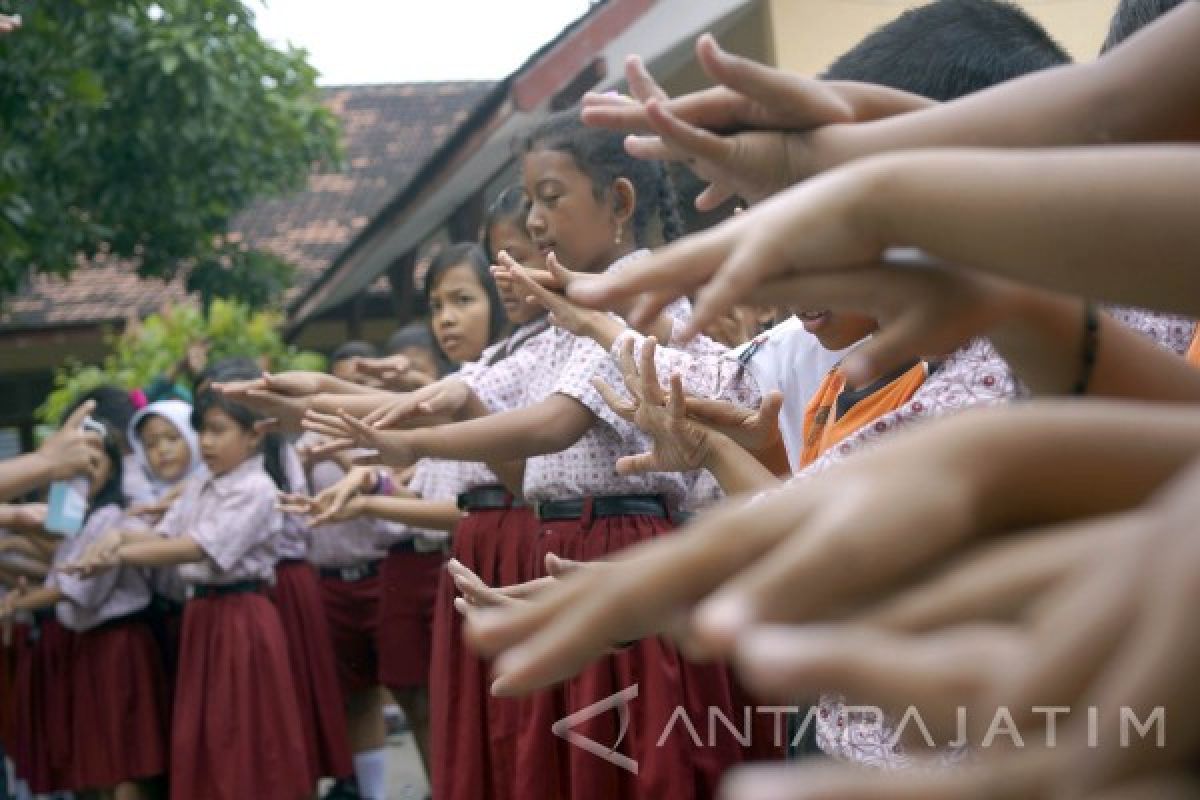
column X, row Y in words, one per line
column 428, row 544
column 352, row 574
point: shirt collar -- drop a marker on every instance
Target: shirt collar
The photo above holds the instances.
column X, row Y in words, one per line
column 223, row 484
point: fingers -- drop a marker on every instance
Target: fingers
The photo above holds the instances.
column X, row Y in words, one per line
column 370, row 459
column 620, row 406
column 935, row 674
column 629, row 370
column 642, row 85
column 535, row 291
column 676, row 402
column 652, row 148
column 675, row 270
column 805, row 104
column 767, row 418
column 688, row 141
column 712, row 198
column 838, row 551
column 586, row 613
column 1077, row 632
column 995, row 582
column 78, row 415
column 334, row 426
column 638, row 464
column 651, row 390
column 294, row 503
column 559, row 567
column 746, row 266
column 898, row 343
column 1151, row 676
column 331, row 447
column 715, row 412
column 614, row 111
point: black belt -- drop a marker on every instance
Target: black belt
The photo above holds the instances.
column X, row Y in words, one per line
column 222, row 589
column 162, row 605
column 359, row 572
column 410, row 546
column 643, row 505
column 142, row 615
column 487, row 498
column 684, row 517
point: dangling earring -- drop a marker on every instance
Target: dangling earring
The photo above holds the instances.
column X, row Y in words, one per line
column 620, row 230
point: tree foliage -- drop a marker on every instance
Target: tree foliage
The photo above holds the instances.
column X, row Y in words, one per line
column 142, row 128
column 150, row 348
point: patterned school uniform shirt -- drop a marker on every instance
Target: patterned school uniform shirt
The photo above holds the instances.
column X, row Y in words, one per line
column 234, row 519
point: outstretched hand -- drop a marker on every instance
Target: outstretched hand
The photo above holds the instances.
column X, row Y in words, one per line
column 680, row 444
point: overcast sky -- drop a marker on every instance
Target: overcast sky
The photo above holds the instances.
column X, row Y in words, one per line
column 383, row 41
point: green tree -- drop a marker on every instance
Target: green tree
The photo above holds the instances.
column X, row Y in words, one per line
column 150, row 348
column 141, row 129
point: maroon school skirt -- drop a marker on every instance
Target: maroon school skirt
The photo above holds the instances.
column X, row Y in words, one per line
column 236, row 731
column 43, row 708
column 297, row 595
column 352, row 609
column 408, row 584
column 119, row 712
column 8, row 668
column 474, row 735
column 670, row 767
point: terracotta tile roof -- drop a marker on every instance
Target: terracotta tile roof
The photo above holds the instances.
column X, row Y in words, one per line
column 388, row 131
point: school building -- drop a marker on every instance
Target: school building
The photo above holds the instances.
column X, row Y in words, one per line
column 422, row 162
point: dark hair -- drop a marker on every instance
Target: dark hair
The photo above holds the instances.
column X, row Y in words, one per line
column 114, row 407
column 351, row 350
column 510, row 206
column 471, row 255
column 600, row 154
column 951, row 48
column 232, row 368
column 112, row 492
column 1131, row 16
column 415, row 334
column 236, row 369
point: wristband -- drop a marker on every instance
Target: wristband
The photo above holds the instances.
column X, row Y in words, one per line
column 384, row 485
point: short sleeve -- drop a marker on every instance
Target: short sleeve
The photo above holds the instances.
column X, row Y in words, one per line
column 588, row 360
column 92, row 591
column 236, row 521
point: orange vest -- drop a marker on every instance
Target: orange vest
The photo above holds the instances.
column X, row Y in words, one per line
column 1193, row 353
column 821, row 432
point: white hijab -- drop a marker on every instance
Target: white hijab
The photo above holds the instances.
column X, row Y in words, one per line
column 179, row 414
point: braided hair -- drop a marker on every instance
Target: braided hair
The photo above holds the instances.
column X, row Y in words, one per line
column 600, row 154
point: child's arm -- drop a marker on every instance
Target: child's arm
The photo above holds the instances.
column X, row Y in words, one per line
column 552, row 425
column 140, row 551
column 69, row 451
column 34, row 599
column 23, row 546
column 22, row 516
column 161, row 552
column 1146, row 90
column 1043, row 343
column 1067, row 220
column 414, row 512
column 602, row 328
column 736, row 469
